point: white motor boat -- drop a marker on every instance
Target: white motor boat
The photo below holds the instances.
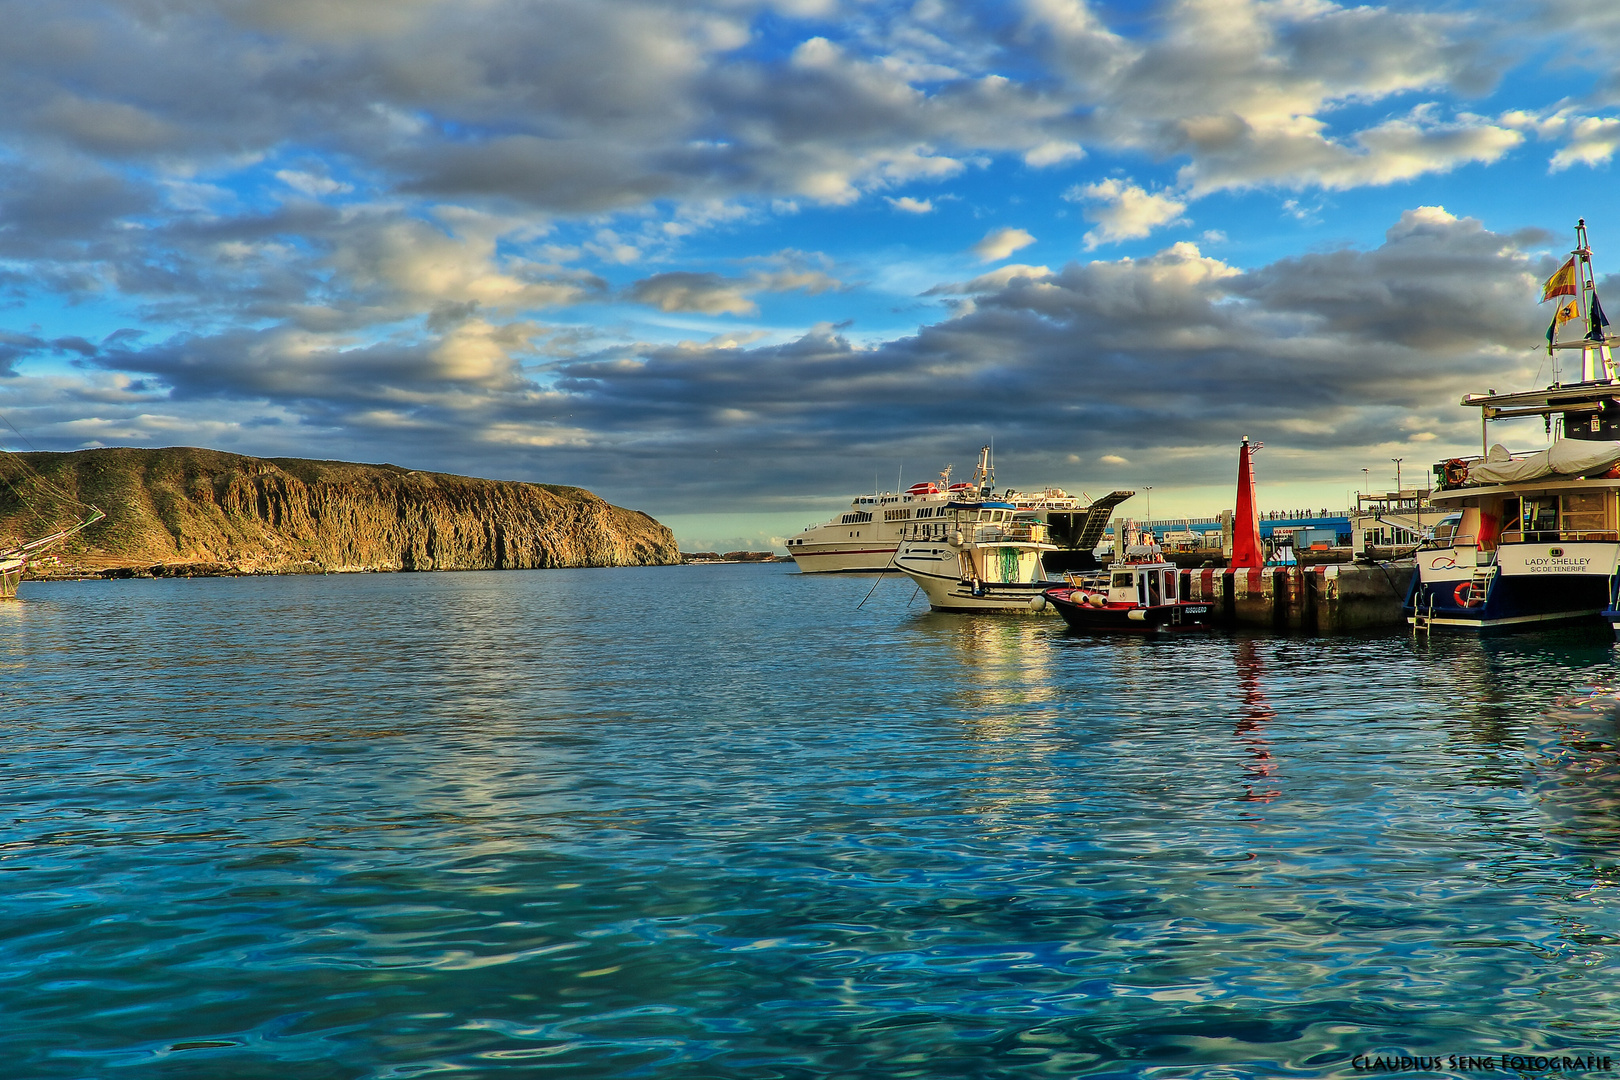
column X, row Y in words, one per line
column 984, row 555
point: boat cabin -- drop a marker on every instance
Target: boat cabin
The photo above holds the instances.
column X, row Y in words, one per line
column 989, row 522
column 1147, row 585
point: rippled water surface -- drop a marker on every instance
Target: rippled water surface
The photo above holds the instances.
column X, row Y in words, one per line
column 720, row 822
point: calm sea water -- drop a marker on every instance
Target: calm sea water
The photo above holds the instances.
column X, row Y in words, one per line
column 721, row 822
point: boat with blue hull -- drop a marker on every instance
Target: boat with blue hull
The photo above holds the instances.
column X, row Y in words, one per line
column 1536, row 539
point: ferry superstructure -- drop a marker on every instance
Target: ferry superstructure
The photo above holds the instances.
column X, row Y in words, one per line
column 1538, row 539
column 865, row 538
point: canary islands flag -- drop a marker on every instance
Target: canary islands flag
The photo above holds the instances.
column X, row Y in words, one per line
column 1564, row 283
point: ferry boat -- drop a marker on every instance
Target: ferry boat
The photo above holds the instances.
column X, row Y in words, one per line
column 1537, row 536
column 866, row 538
column 1138, row 594
column 985, row 555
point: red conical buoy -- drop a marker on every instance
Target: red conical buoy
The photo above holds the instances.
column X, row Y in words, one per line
column 1246, row 551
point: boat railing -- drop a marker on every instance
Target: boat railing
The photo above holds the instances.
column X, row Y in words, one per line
column 1458, row 540
column 991, row 534
column 1558, row 536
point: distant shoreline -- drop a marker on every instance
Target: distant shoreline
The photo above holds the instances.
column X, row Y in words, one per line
column 699, row 558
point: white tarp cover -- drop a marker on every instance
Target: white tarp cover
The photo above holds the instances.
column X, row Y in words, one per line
column 1566, row 457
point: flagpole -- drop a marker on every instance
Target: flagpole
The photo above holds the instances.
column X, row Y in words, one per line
column 1584, row 254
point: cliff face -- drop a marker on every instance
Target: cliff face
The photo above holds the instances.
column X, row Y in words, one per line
column 190, row 506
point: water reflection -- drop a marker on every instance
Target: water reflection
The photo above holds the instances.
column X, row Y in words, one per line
column 1573, row 759
column 1000, row 662
column 1254, row 715
column 727, row 823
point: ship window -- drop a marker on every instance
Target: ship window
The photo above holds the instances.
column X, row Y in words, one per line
column 1123, row 580
column 1169, row 584
column 1582, row 512
column 1540, row 515
column 1154, row 595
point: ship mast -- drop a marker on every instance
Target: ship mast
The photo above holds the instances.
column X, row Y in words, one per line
column 1583, row 315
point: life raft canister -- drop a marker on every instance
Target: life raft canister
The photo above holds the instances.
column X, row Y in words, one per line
column 1464, row 595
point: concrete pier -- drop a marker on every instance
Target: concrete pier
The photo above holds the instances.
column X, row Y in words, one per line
column 1334, row 599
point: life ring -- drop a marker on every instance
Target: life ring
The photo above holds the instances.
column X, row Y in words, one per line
column 1456, row 473
column 1464, row 595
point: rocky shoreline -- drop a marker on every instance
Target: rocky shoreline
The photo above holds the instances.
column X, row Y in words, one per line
column 187, row 512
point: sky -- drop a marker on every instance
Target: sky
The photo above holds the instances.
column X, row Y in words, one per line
column 732, row 262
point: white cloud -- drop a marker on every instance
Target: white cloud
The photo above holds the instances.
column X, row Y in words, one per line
column 1588, row 140
column 714, row 294
column 910, row 205
column 995, row 281
column 1054, row 152
column 1123, row 211
column 1000, row 243
column 312, row 183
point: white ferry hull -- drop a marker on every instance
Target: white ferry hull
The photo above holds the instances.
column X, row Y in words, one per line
column 844, row 559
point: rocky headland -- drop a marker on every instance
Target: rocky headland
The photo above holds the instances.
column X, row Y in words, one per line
column 183, row 510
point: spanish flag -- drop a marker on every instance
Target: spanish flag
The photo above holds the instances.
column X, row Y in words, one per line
column 1564, row 283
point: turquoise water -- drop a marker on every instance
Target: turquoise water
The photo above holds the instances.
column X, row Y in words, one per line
column 721, row 822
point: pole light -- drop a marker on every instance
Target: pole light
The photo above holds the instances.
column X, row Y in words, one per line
column 1398, row 499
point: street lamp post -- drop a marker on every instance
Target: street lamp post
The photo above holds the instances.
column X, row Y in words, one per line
column 1149, row 497
column 1398, row 498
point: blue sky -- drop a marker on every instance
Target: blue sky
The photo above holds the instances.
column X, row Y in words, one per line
column 728, row 261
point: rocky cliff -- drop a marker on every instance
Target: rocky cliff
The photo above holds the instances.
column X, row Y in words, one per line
column 188, row 510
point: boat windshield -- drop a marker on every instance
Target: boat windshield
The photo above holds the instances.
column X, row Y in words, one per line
column 1124, row 579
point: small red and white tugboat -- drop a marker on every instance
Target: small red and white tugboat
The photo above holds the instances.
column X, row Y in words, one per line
column 1137, row 594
